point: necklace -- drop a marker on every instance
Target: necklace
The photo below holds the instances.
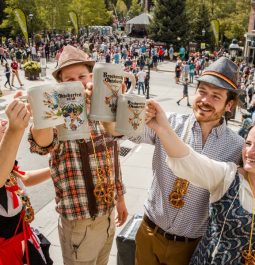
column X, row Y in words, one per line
column 249, row 255
column 176, row 196
column 12, row 186
column 104, row 189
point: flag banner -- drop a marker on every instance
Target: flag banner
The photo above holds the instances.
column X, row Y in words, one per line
column 20, row 16
column 74, row 19
column 216, row 29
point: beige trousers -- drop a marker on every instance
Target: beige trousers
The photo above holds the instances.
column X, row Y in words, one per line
column 153, row 249
column 86, row 242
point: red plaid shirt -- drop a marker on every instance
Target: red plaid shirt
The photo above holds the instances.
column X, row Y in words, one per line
column 67, row 175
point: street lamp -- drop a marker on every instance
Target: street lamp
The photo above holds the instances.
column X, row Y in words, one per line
column 202, row 46
column 234, row 49
column 147, row 84
column 30, row 16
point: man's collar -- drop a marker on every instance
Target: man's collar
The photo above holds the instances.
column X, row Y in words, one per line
column 218, row 130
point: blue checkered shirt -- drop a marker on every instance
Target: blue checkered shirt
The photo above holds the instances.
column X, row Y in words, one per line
column 190, row 221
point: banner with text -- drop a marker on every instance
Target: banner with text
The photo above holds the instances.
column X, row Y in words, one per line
column 19, row 14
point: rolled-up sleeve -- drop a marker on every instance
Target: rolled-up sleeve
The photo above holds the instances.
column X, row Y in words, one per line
column 35, row 148
column 202, row 171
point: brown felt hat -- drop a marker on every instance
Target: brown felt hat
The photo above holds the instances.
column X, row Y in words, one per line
column 69, row 56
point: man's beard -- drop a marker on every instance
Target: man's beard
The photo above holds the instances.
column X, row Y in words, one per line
column 205, row 117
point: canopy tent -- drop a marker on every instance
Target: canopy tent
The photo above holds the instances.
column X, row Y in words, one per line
column 137, row 25
column 142, row 19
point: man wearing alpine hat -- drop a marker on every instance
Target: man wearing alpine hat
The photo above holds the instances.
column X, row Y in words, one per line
column 176, row 212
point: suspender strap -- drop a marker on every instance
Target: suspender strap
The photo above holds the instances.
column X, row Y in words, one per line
column 88, row 179
column 116, row 162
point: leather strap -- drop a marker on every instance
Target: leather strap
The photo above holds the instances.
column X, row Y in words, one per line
column 116, row 162
column 88, row 178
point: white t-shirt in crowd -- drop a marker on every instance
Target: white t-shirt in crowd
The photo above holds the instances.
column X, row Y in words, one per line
column 141, row 76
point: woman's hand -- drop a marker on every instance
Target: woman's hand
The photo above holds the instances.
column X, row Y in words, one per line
column 18, row 115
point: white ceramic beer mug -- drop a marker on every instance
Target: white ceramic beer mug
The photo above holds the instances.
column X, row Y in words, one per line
column 130, row 120
column 45, row 106
column 73, row 107
column 107, row 86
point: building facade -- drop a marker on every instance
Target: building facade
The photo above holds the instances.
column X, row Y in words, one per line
column 249, row 49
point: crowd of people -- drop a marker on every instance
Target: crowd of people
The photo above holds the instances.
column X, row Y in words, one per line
column 200, row 207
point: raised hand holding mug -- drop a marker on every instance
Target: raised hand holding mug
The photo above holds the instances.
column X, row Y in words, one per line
column 45, row 107
column 107, row 86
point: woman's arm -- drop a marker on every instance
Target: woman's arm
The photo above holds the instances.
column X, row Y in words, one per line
column 34, row 177
column 18, row 116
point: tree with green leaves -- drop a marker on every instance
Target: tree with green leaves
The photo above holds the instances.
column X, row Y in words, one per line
column 90, row 12
column 169, row 22
column 135, row 9
column 28, row 7
column 232, row 15
column 121, row 8
column 199, row 23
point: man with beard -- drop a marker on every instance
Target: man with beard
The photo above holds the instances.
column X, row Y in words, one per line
column 176, row 212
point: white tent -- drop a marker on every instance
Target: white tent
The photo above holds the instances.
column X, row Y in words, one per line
column 138, row 24
column 142, row 19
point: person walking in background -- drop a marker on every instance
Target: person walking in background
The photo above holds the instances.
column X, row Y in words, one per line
column 141, row 75
column 2, row 54
column 177, row 73
column 245, row 126
column 185, row 71
column 7, row 72
column 15, row 71
column 191, row 71
column 185, row 93
column 171, row 53
column 182, row 53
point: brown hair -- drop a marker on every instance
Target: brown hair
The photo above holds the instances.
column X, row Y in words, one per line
column 234, row 97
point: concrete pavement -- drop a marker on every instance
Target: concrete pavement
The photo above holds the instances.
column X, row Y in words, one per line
column 136, row 165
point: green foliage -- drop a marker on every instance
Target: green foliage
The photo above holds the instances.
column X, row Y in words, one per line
column 233, row 16
column 169, row 21
column 27, row 7
column 135, row 9
column 121, row 8
column 32, row 67
column 199, row 20
column 92, row 12
column 54, row 14
column 2, row 14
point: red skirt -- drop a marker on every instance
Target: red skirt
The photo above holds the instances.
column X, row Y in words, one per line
column 11, row 252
